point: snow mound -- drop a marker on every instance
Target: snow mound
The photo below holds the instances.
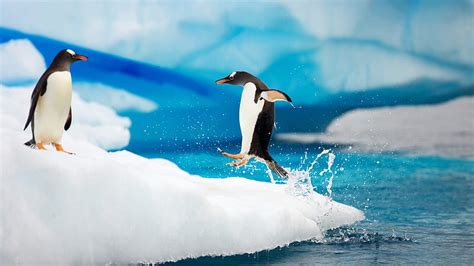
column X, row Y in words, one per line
column 20, row 62
column 118, row 99
column 444, row 129
column 93, row 122
column 98, row 207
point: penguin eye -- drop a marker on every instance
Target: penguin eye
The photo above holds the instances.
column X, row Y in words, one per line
column 232, row 75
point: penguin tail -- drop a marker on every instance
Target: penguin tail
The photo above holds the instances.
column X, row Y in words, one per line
column 272, row 164
column 31, row 143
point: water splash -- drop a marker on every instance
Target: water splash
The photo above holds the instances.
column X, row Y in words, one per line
column 299, row 182
column 270, row 174
column 331, row 158
column 311, row 166
column 350, row 235
column 296, row 106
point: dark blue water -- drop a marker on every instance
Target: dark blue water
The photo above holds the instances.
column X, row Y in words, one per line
column 418, row 209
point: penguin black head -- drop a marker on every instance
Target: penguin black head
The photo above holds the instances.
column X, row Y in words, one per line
column 237, row 78
column 241, row 78
column 66, row 57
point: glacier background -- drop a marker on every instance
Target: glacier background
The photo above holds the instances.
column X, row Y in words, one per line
column 329, row 57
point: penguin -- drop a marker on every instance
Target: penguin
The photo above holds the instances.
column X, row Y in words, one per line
column 50, row 110
column 257, row 119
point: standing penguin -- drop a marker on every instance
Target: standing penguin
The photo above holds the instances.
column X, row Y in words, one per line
column 257, row 119
column 50, row 111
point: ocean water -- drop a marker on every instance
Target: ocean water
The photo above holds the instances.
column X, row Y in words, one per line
column 419, row 209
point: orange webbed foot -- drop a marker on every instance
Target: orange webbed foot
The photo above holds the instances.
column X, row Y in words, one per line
column 40, row 146
column 60, row 148
column 233, row 156
column 244, row 161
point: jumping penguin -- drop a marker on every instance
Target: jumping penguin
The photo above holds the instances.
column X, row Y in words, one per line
column 257, row 119
column 50, row 111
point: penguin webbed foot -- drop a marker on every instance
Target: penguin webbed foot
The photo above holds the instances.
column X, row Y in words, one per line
column 233, row 156
column 244, row 161
column 40, row 146
column 60, row 148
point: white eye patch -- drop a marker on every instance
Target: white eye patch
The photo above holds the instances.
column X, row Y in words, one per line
column 233, row 74
column 71, row 52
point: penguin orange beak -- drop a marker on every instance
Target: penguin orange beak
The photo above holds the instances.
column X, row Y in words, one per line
column 222, row 81
column 81, row 57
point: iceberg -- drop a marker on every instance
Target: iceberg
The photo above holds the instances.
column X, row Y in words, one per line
column 21, row 62
column 359, row 66
column 434, row 29
column 101, row 207
column 445, row 129
column 438, row 29
column 118, row 99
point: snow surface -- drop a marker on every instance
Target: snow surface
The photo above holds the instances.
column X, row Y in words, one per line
column 99, row 207
column 444, row 129
column 20, row 62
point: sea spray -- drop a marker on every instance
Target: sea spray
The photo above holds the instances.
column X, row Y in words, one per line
column 310, row 168
column 331, row 158
column 270, row 174
column 299, row 183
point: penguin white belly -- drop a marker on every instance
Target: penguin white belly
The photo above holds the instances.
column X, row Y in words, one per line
column 248, row 115
column 52, row 108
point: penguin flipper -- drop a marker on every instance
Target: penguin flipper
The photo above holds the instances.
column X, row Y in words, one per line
column 69, row 120
column 39, row 90
column 275, row 95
